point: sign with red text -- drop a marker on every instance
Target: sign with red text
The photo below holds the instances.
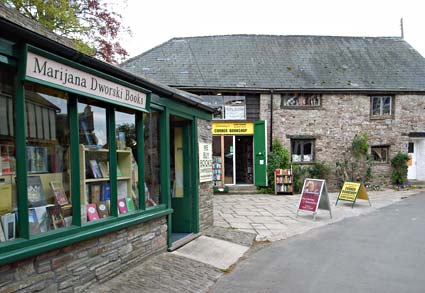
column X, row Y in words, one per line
column 314, row 196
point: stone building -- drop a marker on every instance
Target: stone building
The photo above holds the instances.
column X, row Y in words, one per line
column 315, row 93
column 100, row 168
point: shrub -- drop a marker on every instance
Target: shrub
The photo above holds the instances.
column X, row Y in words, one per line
column 399, row 168
column 319, row 171
column 278, row 158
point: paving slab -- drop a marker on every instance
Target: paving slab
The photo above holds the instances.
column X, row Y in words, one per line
column 215, row 252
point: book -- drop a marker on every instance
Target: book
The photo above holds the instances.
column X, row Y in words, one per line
column 43, row 218
column 6, row 168
column 106, row 192
column 35, row 192
column 87, row 134
column 130, row 204
column 2, row 239
column 104, row 168
column 33, row 221
column 119, row 173
column 103, row 209
column 55, row 215
column 121, row 140
column 37, row 159
column 59, row 193
column 122, row 207
column 9, row 226
column 92, row 212
column 122, row 190
column 95, row 192
column 5, row 198
column 96, row 173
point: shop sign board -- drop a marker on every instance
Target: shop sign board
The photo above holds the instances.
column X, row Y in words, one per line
column 234, row 112
column 314, row 196
column 351, row 191
column 232, row 128
column 59, row 75
column 205, row 162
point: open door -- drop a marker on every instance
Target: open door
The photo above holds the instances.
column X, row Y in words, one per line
column 260, row 153
column 180, row 171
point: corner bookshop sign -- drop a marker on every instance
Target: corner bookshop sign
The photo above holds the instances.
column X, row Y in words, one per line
column 60, row 75
column 228, row 128
column 351, row 191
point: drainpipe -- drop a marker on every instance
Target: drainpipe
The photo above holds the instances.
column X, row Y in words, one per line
column 271, row 120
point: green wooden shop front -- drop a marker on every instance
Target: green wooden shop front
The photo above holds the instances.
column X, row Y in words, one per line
column 84, row 153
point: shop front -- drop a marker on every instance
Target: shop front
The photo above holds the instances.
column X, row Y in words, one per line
column 99, row 168
column 239, row 153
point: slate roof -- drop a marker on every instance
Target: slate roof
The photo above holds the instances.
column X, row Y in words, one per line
column 284, row 62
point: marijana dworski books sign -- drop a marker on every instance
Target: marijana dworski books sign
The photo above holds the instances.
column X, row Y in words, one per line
column 58, row 74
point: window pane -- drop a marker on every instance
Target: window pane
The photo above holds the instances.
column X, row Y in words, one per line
column 376, row 106
column 152, row 159
column 307, row 152
column 48, row 166
column 302, row 150
column 386, row 107
column 128, row 193
column 94, row 163
column 8, row 200
column 380, row 154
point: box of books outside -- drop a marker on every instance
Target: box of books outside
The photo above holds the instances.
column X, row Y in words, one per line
column 217, row 172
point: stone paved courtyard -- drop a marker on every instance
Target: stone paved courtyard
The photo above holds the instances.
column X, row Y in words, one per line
column 273, row 217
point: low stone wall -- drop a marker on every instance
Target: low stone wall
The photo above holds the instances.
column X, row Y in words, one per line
column 76, row 267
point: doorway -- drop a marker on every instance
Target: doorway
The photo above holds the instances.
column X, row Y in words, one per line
column 244, row 160
column 182, row 222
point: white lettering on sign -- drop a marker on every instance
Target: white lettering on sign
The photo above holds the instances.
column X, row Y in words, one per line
column 57, row 73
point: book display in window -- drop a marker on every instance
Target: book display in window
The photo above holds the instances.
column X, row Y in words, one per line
column 92, row 213
column 56, row 218
column 59, row 193
column 95, row 179
column 37, row 159
column 217, row 171
column 36, row 195
column 284, row 181
column 8, row 222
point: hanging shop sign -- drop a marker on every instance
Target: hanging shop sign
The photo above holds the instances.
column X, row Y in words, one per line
column 234, row 112
column 351, row 191
column 236, row 128
column 314, row 196
column 205, row 162
column 56, row 74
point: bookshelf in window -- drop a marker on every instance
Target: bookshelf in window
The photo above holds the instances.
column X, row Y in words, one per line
column 94, row 173
column 283, row 181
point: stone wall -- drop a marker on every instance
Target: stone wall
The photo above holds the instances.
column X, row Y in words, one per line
column 205, row 188
column 340, row 118
column 78, row 266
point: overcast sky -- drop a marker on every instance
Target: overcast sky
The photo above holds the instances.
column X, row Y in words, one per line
column 156, row 21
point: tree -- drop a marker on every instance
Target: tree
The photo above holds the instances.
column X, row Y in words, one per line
column 89, row 23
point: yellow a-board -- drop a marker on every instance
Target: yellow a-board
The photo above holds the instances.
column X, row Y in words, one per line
column 351, row 191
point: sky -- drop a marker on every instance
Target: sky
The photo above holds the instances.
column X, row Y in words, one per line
column 156, row 21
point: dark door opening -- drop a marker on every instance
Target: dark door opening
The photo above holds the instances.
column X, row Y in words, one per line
column 244, row 160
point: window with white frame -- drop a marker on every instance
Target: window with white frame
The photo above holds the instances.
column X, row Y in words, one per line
column 302, row 150
column 381, row 106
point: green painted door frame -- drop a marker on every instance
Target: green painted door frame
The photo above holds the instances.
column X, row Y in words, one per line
column 260, row 153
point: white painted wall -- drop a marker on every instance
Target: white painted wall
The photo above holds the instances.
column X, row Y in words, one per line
column 420, row 157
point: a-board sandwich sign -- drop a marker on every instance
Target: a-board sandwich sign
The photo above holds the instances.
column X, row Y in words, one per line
column 351, row 191
column 314, row 196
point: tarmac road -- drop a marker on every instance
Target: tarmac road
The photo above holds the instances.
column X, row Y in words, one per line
column 381, row 252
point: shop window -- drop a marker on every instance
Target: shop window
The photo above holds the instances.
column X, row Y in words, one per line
column 48, row 167
column 302, row 150
column 128, row 194
column 380, row 154
column 8, row 199
column 95, row 185
column 381, row 106
column 152, row 158
column 301, row 101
